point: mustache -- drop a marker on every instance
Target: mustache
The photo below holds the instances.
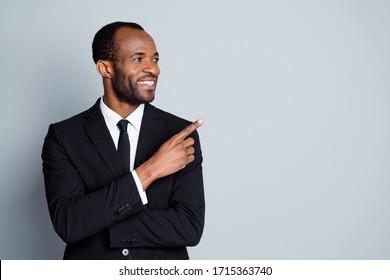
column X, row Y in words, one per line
column 147, row 76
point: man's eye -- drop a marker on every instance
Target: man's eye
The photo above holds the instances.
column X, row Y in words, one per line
column 137, row 59
column 156, row 59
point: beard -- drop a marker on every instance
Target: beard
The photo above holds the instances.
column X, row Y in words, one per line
column 126, row 91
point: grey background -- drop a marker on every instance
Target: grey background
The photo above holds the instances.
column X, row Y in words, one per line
column 295, row 98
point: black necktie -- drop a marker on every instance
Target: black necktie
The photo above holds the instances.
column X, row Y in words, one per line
column 124, row 144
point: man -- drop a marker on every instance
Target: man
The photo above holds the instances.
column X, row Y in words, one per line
column 123, row 179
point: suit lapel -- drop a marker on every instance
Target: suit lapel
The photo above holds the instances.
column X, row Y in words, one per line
column 97, row 131
column 151, row 135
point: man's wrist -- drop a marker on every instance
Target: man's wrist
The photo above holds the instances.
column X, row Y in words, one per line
column 146, row 174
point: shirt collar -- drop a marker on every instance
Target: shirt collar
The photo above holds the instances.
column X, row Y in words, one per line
column 112, row 118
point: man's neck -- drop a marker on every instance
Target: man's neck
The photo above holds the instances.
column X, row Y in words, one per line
column 123, row 109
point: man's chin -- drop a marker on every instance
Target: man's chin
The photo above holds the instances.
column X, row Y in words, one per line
column 146, row 97
column 138, row 99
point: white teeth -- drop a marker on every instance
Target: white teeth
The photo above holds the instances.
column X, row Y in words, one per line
column 147, row 83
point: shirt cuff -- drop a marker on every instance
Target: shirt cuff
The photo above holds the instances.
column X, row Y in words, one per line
column 141, row 191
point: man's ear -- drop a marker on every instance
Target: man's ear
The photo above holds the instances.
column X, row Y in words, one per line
column 104, row 68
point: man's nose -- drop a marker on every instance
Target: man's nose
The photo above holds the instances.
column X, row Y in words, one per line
column 152, row 68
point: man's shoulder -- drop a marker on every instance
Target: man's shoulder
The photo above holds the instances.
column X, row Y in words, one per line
column 169, row 117
column 172, row 123
column 78, row 118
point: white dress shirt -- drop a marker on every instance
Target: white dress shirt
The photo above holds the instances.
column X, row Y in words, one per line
column 133, row 128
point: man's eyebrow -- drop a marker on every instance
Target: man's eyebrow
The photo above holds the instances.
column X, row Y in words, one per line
column 138, row 53
column 143, row 54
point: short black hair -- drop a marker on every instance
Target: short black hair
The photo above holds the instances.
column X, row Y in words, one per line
column 103, row 45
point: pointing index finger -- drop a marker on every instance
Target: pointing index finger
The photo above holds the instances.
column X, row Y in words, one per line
column 189, row 129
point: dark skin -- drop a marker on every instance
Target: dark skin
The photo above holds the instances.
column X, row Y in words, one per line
column 137, row 59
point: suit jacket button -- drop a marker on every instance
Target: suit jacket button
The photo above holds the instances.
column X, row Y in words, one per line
column 133, row 242
column 125, row 252
column 116, row 213
column 128, row 207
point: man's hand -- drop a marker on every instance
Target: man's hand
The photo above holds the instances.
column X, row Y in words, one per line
column 172, row 156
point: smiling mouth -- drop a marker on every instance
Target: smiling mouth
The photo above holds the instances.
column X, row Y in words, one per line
column 146, row 83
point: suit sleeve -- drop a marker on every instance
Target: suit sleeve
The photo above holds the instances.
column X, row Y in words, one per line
column 179, row 225
column 77, row 214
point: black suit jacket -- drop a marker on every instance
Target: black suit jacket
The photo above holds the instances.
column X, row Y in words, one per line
column 93, row 200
